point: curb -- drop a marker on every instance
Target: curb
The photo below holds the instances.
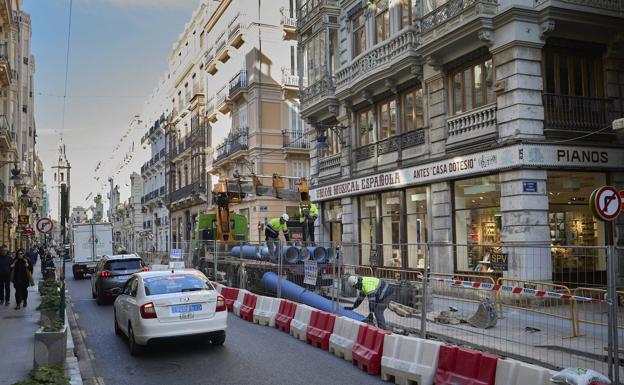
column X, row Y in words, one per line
column 72, row 367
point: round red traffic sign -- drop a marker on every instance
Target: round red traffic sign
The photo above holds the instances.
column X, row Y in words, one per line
column 44, row 225
column 606, row 203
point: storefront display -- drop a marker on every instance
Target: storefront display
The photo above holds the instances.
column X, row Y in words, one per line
column 477, row 222
column 368, row 224
column 416, row 211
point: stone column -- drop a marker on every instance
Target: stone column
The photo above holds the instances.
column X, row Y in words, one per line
column 349, row 238
column 440, row 256
column 525, row 230
column 436, row 100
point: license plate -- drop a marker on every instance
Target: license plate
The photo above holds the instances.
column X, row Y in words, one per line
column 186, row 308
column 187, row 315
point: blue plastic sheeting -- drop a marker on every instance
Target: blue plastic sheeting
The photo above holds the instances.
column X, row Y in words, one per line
column 298, row 294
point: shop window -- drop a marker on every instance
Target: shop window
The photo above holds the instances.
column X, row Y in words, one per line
column 413, row 116
column 390, row 228
column 472, row 86
column 387, row 119
column 368, row 224
column 477, row 222
column 416, row 220
column 382, row 22
column 358, row 36
column 572, row 226
column 332, row 216
column 365, row 127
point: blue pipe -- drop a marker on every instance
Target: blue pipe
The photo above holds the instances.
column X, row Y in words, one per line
column 299, row 294
column 318, row 254
column 249, row 252
column 291, row 254
column 304, row 253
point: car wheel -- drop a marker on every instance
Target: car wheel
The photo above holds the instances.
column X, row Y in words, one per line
column 117, row 329
column 218, row 338
column 99, row 299
column 135, row 349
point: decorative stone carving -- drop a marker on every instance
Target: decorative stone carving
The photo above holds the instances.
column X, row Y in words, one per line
column 546, row 28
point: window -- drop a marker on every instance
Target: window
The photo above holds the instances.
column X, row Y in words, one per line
column 124, row 264
column 390, row 228
column 201, row 40
column 368, row 224
column 416, row 219
column 333, row 141
column 301, row 168
column 472, row 86
column 359, row 34
column 314, row 57
column 293, row 60
column 574, row 73
column 387, row 119
column 242, row 116
column 478, row 221
column 405, row 13
column 171, row 284
column 365, row 127
column 413, row 110
column 382, row 22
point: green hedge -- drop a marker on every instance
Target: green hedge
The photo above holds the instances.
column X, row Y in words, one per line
column 46, row 375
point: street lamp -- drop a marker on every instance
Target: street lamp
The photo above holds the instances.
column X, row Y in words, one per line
column 15, row 172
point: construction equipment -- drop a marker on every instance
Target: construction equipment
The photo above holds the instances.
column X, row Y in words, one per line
column 228, row 191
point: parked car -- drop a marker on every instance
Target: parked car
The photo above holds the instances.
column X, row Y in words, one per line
column 111, row 274
column 161, row 305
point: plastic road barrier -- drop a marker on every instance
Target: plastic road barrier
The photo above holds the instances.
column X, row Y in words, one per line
column 368, row 348
column 247, row 309
column 408, row 360
column 298, row 294
column 321, row 326
column 239, row 301
column 217, row 286
column 299, row 324
column 266, row 310
column 459, row 365
column 229, row 294
column 285, row 315
column 343, row 338
column 512, row 372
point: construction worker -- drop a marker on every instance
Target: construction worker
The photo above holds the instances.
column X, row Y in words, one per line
column 272, row 230
column 378, row 293
column 307, row 217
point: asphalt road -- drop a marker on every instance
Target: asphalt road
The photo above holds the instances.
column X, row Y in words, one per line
column 252, row 354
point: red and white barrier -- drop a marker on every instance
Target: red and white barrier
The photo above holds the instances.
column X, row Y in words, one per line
column 299, row 324
column 266, row 310
column 344, row 336
column 512, row 372
column 239, row 301
column 409, row 359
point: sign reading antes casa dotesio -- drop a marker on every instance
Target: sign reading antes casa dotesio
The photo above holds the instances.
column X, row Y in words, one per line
column 517, row 156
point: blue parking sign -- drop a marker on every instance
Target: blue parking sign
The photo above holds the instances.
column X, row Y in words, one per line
column 175, row 253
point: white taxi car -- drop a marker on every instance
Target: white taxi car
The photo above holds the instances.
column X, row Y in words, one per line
column 158, row 305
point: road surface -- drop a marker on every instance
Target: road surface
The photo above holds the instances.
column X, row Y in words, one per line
column 252, row 354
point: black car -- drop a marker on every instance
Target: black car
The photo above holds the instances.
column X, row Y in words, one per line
column 112, row 273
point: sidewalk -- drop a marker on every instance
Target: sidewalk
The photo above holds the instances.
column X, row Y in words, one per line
column 17, row 335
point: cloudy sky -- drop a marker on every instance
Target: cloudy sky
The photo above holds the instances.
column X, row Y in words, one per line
column 118, row 51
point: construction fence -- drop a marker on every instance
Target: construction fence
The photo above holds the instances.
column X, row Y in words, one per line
column 556, row 306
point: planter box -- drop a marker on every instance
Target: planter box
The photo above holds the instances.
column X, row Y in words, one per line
column 50, row 347
column 48, row 316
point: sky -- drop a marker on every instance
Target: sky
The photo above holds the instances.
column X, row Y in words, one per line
column 118, row 51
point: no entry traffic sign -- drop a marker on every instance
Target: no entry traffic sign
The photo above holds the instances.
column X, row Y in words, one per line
column 606, row 203
column 44, row 225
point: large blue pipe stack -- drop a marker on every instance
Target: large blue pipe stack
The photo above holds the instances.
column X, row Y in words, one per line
column 299, row 294
column 318, row 254
column 250, row 252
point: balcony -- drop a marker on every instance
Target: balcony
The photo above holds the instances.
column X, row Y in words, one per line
column 221, row 102
column 7, row 196
column 7, row 136
column 312, row 8
column 613, row 7
column 453, row 8
column 471, row 128
column 572, row 115
column 211, row 113
column 295, row 140
column 291, row 81
column 221, row 52
column 187, row 192
column 238, row 83
column 235, row 142
column 6, row 74
column 235, row 31
column 378, row 63
column 390, row 145
column 319, row 97
column 329, row 165
column 209, row 61
column 288, row 23
column 365, row 152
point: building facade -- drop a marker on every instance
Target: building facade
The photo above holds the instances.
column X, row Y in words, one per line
column 153, row 171
column 477, row 125
column 17, row 126
column 252, row 101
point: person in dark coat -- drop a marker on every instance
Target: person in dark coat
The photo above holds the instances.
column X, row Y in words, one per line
column 21, row 277
column 5, row 275
column 32, row 256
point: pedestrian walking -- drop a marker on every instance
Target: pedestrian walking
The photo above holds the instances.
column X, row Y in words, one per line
column 21, row 277
column 32, row 256
column 5, row 275
column 378, row 293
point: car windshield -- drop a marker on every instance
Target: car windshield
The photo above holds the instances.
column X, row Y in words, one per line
column 125, row 264
column 175, row 284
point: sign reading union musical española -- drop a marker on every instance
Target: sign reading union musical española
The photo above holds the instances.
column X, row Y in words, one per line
column 517, row 156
